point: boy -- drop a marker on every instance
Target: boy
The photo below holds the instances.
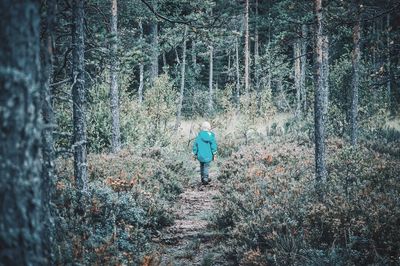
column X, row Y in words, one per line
column 204, row 150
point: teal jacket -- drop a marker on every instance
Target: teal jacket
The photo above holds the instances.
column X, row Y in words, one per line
column 205, row 146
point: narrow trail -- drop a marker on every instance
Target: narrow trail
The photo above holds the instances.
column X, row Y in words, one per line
column 190, row 240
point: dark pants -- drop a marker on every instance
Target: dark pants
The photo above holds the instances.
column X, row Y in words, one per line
column 204, row 172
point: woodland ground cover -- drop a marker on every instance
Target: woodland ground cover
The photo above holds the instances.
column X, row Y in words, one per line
column 272, row 214
column 269, row 211
column 127, row 203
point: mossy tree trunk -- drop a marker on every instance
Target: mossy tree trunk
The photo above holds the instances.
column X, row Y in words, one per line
column 20, row 134
column 79, row 95
column 48, row 175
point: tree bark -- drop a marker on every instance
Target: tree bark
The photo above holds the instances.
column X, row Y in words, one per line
column 79, row 96
column 48, row 153
column 355, row 73
column 114, row 97
column 297, row 75
column 20, row 134
column 165, row 65
column 256, row 52
column 303, row 60
column 210, row 81
column 154, row 47
column 194, row 57
column 141, row 68
column 388, row 67
column 246, row 49
column 321, row 94
column 183, row 67
column 237, row 70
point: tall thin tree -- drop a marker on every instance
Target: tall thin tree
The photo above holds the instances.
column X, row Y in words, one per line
column 246, row 49
column 303, row 66
column 154, row 46
column 79, row 95
column 210, row 80
column 48, row 153
column 256, row 51
column 141, row 66
column 321, row 94
column 297, row 75
column 183, row 68
column 114, row 97
column 355, row 72
column 237, row 69
column 20, row 138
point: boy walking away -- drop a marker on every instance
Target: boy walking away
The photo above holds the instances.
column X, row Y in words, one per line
column 204, row 150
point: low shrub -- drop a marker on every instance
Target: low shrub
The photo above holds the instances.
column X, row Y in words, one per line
column 273, row 214
column 127, row 202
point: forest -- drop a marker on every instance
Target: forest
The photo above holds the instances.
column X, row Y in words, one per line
column 103, row 104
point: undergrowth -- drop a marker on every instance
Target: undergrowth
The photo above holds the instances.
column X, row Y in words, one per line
column 273, row 214
column 127, row 203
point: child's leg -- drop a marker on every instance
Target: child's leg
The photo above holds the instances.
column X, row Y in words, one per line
column 202, row 171
column 205, row 173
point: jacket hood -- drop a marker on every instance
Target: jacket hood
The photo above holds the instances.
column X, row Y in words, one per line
column 205, row 136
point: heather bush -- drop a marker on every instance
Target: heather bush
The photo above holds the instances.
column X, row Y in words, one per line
column 127, row 203
column 272, row 213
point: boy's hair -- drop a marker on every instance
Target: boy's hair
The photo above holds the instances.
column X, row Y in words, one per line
column 205, row 126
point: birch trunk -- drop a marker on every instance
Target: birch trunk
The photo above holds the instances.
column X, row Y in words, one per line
column 20, row 126
column 78, row 96
column 183, row 67
column 114, row 98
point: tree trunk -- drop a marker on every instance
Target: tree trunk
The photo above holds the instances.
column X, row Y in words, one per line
column 355, row 73
column 183, row 66
column 321, row 93
column 20, row 127
column 114, row 99
column 297, row 75
column 256, row 60
column 78, row 95
column 194, row 57
column 210, row 82
column 141, row 67
column 388, row 66
column 48, row 153
column 154, row 49
column 256, row 51
column 237, row 71
column 164, row 59
column 246, row 49
column 303, row 60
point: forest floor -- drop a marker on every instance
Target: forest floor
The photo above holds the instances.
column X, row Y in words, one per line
column 191, row 240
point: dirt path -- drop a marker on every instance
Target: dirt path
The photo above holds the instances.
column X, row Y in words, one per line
column 190, row 240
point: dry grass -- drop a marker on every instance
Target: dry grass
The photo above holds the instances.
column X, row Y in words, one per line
column 230, row 124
